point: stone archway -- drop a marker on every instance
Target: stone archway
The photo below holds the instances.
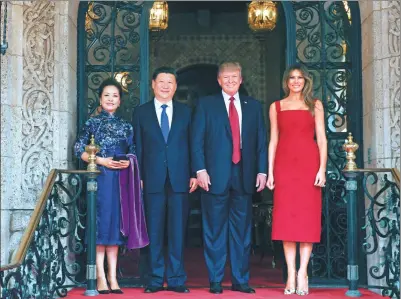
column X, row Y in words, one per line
column 207, row 49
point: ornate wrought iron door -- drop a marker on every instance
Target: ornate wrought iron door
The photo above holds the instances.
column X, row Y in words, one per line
column 328, row 44
column 109, row 37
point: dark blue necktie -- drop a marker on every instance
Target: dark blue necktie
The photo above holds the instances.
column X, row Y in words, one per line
column 164, row 123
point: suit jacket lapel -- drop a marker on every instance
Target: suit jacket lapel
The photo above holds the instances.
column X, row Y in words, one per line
column 221, row 105
column 154, row 119
column 245, row 115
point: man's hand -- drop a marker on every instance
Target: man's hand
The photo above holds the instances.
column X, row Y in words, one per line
column 193, row 185
column 141, row 184
column 203, row 180
column 260, row 182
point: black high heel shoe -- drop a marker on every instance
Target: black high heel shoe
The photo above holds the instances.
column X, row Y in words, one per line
column 113, row 291
column 104, row 292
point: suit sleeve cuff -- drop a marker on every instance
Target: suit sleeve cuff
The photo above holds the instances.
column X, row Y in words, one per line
column 202, row 170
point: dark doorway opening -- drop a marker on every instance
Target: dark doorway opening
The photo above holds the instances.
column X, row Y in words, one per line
column 198, row 80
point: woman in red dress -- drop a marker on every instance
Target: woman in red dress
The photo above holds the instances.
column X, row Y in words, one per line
column 297, row 172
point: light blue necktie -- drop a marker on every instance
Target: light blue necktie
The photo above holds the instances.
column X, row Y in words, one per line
column 164, row 123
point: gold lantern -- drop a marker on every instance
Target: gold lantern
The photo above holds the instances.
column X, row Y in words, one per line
column 124, row 79
column 262, row 15
column 158, row 17
column 90, row 17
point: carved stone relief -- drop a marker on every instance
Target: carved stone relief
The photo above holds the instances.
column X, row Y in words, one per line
column 394, row 86
column 37, row 101
column 38, row 130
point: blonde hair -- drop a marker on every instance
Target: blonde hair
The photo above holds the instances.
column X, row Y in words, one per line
column 307, row 91
column 229, row 66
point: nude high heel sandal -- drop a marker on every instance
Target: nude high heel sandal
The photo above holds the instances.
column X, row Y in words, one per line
column 305, row 291
column 290, row 291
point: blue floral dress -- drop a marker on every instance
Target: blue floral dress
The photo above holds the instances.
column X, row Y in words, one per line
column 115, row 138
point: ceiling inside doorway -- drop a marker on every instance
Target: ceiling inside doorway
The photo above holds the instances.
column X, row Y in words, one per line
column 212, row 6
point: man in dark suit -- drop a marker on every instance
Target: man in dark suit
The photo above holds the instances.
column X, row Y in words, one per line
column 229, row 155
column 162, row 130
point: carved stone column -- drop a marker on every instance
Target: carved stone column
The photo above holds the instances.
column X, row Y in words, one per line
column 381, row 82
column 381, row 89
column 11, row 129
column 38, row 111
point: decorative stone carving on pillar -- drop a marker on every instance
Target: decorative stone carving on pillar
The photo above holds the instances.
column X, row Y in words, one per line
column 394, row 86
column 37, row 101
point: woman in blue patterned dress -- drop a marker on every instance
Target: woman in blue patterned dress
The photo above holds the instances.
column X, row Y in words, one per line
column 115, row 138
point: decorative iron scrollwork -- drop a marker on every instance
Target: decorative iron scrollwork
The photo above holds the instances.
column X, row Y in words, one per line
column 112, row 48
column 54, row 259
column 382, row 226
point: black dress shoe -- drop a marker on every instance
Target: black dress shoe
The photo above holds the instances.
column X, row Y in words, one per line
column 178, row 289
column 244, row 288
column 215, row 288
column 103, row 292
column 153, row 289
column 117, row 291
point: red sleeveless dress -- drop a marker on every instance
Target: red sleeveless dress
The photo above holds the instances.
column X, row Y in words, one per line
column 297, row 203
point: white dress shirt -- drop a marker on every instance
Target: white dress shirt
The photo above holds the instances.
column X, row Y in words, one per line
column 159, row 110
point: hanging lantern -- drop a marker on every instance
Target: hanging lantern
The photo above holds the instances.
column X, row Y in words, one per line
column 124, row 79
column 90, row 17
column 158, row 18
column 262, row 15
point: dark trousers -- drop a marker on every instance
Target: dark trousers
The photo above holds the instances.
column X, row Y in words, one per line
column 228, row 217
column 175, row 207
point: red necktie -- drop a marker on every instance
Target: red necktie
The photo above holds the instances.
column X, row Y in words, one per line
column 234, row 124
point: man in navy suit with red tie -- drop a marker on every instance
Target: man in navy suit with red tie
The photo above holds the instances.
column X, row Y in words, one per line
column 161, row 133
column 229, row 155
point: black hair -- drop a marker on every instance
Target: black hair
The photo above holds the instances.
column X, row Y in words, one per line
column 110, row 82
column 165, row 70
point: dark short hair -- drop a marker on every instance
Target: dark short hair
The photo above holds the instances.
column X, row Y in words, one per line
column 110, row 82
column 164, row 70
